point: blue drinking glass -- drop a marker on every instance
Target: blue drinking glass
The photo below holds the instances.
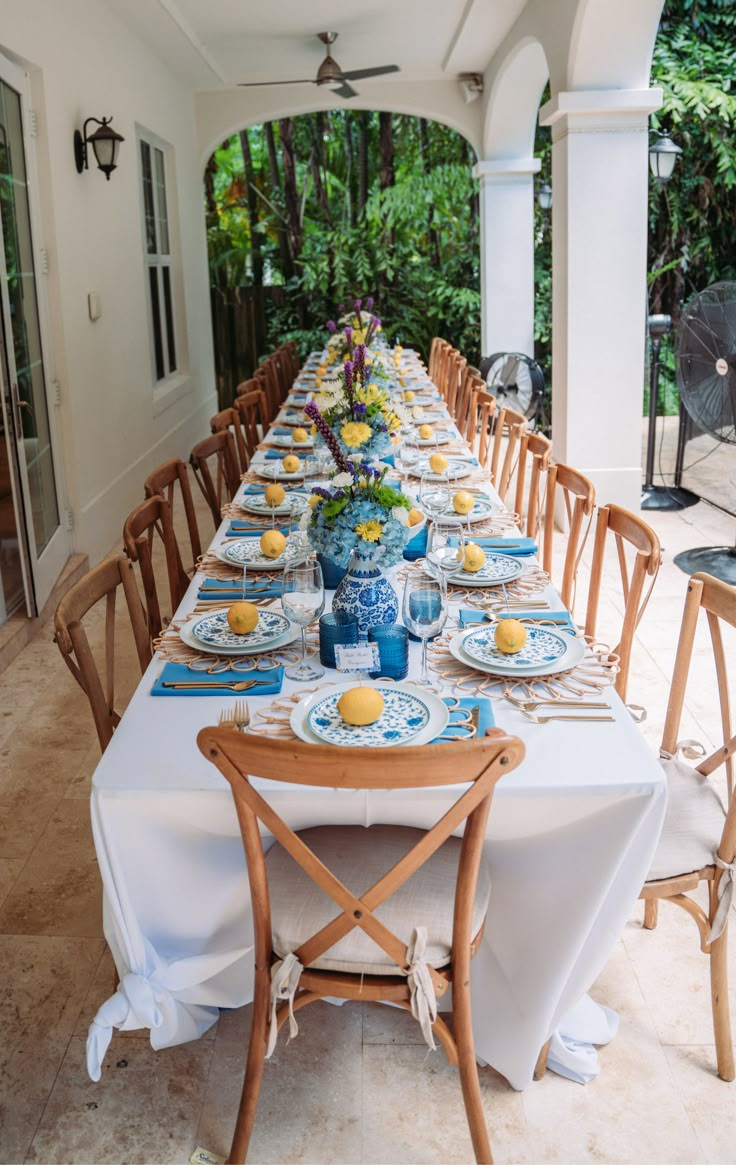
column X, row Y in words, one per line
column 336, row 628
column 393, row 650
column 331, row 573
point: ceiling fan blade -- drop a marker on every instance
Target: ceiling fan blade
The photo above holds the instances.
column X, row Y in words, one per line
column 344, row 90
column 255, row 84
column 362, row 74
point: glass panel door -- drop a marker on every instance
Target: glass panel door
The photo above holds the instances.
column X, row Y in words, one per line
column 27, row 428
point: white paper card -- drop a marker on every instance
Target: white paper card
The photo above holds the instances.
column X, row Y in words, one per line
column 358, row 657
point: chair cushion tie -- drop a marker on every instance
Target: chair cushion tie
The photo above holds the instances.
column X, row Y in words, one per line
column 725, row 897
column 285, row 976
column 423, row 997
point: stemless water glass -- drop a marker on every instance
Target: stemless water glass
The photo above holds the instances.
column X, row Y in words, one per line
column 424, row 612
column 303, row 600
column 445, row 547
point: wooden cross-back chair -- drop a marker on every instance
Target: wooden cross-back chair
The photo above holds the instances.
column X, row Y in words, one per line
column 267, row 376
column 479, row 432
column 434, row 355
column 532, row 468
column 150, row 519
column 292, row 356
column 248, row 386
column 442, row 357
column 456, row 366
column 231, row 420
column 578, row 500
column 102, row 582
column 306, row 950
column 626, row 529
column 215, row 465
column 698, row 840
column 253, row 410
column 164, row 481
column 471, row 383
column 508, row 429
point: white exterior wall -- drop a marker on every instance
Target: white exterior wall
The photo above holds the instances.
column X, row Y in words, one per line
column 115, row 425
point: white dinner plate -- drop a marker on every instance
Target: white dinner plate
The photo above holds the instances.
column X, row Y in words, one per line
column 439, row 438
column 274, row 471
column 496, row 570
column 483, row 508
column 437, row 715
column 247, row 552
column 294, row 418
column 282, row 441
column 187, row 636
column 574, row 653
column 257, row 504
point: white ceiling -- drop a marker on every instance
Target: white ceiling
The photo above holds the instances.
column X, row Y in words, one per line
column 216, row 43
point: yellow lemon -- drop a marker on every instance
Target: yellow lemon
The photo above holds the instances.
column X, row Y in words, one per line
column 272, row 543
column 438, row 463
column 463, row 502
column 291, row 463
column 409, row 396
column 274, row 494
column 474, row 557
column 317, row 381
column 360, row 705
column 299, row 436
column 242, row 617
column 398, row 349
column 510, row 636
column 321, row 369
column 425, row 432
column 417, row 412
column 415, row 517
column 402, row 381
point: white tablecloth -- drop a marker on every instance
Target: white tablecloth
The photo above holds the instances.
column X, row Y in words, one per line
column 570, row 838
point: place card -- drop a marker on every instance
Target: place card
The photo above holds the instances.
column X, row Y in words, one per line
column 357, row 657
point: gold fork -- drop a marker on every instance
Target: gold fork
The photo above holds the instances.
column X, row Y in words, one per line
column 579, row 719
column 227, row 718
column 532, row 705
column 241, row 716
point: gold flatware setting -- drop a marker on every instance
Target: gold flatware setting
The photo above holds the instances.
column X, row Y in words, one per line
column 225, row 685
column 535, row 719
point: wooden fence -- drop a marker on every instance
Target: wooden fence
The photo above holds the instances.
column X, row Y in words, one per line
column 239, row 334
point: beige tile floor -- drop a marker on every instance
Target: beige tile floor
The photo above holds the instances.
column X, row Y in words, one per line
column 358, row 1085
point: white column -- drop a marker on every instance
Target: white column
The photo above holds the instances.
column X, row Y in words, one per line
column 599, row 249
column 507, row 253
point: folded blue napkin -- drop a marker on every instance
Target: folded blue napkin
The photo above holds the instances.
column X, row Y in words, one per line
column 514, row 547
column 281, row 431
column 562, row 619
column 242, row 530
column 416, row 547
column 229, row 591
column 485, row 715
column 269, row 682
column 388, row 459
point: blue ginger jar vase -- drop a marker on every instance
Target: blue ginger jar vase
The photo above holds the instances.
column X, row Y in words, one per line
column 365, row 592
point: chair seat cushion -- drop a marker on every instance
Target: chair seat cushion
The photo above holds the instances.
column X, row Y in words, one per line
column 693, row 823
column 359, row 857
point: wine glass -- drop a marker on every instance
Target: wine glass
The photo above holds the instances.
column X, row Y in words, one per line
column 303, row 600
column 434, row 495
column 445, row 547
column 424, row 612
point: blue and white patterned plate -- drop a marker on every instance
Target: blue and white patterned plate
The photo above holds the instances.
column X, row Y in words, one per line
column 441, row 437
column 455, row 469
column 284, row 441
column 213, row 630
column 497, row 569
column 242, row 647
column 410, row 716
column 542, row 647
column 297, row 419
column 257, row 504
column 247, row 552
column 482, row 509
column 506, row 666
column 275, row 471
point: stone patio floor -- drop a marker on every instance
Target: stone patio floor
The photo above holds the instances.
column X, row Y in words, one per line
column 358, row 1084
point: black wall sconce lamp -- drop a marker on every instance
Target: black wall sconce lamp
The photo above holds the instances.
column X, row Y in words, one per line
column 105, row 143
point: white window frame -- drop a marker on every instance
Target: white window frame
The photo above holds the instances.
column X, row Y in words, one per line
column 168, row 370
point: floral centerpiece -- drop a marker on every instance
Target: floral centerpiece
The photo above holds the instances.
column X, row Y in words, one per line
column 355, row 403
column 359, row 325
column 358, row 511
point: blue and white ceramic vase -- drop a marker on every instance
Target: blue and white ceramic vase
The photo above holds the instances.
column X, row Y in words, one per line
column 366, row 592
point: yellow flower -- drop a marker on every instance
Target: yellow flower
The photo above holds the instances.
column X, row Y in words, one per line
column 314, row 500
column 355, row 434
column 358, row 336
column 369, row 531
column 368, row 394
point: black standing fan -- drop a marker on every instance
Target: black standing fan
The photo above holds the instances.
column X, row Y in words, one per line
column 706, row 376
column 516, row 381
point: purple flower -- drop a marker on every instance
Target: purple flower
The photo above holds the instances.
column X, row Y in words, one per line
column 375, row 321
column 348, row 333
column 341, row 307
column 329, row 437
column 359, row 363
column 360, row 410
column 369, row 303
column 358, row 304
column 348, row 371
column 331, row 326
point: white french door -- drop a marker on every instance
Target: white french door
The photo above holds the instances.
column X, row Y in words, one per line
column 33, row 543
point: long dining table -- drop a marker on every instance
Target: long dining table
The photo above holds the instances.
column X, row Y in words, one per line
column 569, row 842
